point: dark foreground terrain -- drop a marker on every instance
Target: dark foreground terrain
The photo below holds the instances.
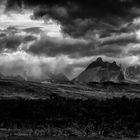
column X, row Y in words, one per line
column 117, row 117
column 44, row 110
column 63, row 138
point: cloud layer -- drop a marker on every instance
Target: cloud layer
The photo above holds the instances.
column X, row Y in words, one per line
column 71, row 32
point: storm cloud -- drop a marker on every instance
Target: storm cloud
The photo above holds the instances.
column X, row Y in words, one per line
column 80, row 18
column 71, row 31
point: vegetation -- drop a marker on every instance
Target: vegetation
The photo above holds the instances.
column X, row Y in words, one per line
column 117, row 117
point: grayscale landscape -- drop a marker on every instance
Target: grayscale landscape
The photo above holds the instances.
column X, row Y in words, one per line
column 69, row 69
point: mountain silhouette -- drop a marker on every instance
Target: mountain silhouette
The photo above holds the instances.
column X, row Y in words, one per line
column 56, row 78
column 100, row 71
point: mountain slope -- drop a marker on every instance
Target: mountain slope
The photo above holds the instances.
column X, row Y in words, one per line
column 56, row 78
column 99, row 71
column 132, row 73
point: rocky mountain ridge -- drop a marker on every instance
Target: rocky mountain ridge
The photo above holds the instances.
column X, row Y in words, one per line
column 101, row 71
column 98, row 71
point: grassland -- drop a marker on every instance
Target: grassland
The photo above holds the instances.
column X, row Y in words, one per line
column 14, row 89
column 35, row 109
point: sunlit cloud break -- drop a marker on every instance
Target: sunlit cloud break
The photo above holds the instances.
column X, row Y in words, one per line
column 24, row 20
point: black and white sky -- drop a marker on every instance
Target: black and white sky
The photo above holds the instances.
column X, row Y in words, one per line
column 64, row 36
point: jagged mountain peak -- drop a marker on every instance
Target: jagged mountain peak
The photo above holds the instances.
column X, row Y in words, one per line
column 100, row 63
column 99, row 60
column 97, row 63
column 114, row 66
column 101, row 71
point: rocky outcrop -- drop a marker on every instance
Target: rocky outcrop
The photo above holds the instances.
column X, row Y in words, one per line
column 100, row 71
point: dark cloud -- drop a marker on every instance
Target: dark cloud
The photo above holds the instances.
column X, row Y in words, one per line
column 33, row 30
column 120, row 39
column 75, row 49
column 86, row 8
column 56, row 47
column 10, row 43
column 11, row 39
column 107, row 24
column 80, row 18
column 29, row 38
column 2, row 35
column 2, row 1
column 109, row 51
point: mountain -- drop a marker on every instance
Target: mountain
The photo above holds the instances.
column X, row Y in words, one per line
column 18, row 77
column 132, row 73
column 50, row 78
column 100, row 71
column 56, row 78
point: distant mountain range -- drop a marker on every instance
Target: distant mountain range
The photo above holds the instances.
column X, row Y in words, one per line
column 18, row 77
column 56, row 78
column 100, row 71
column 51, row 78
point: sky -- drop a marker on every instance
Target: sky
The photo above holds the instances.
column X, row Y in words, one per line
column 64, row 36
